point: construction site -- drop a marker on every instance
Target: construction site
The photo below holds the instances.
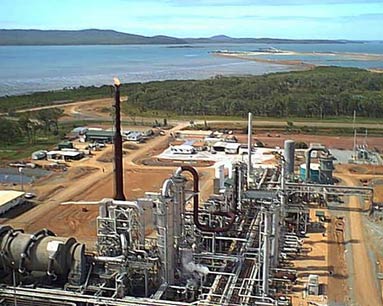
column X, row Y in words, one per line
column 198, row 218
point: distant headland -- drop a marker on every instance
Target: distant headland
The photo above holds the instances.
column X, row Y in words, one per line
column 9, row 37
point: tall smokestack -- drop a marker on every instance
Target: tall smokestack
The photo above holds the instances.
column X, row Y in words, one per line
column 118, row 167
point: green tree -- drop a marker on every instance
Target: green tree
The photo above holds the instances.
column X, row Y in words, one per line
column 10, row 131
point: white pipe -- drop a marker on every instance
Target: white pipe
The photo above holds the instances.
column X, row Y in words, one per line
column 68, row 296
column 178, row 171
column 166, row 188
column 291, row 245
column 290, row 249
column 266, row 254
column 206, row 255
column 80, row 203
column 229, row 167
column 239, row 204
column 230, row 238
column 263, row 178
column 359, row 188
column 283, row 188
column 117, row 259
column 285, row 270
column 275, row 231
column 124, row 244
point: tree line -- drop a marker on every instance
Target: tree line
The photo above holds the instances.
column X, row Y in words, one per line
column 29, row 125
column 321, row 92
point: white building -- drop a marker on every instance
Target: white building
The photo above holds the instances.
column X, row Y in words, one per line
column 9, row 199
column 65, row 155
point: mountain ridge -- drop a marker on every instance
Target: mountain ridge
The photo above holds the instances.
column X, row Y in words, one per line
column 111, row 37
column 80, row 37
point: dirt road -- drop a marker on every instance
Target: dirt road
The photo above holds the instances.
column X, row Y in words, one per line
column 365, row 289
column 61, row 105
column 96, row 184
column 79, row 108
column 282, row 123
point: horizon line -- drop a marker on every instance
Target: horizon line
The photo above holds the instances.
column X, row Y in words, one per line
column 200, row 37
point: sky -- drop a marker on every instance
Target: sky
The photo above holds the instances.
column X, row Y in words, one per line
column 297, row 19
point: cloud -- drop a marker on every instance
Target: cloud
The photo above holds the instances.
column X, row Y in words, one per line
column 370, row 17
column 264, row 2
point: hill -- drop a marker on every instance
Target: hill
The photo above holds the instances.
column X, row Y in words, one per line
column 82, row 37
column 232, row 40
column 110, row 37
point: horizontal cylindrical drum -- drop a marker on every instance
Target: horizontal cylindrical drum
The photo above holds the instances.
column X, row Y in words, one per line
column 41, row 252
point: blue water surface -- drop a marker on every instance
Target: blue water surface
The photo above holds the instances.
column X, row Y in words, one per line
column 25, row 69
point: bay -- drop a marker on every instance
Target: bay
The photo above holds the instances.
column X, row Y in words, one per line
column 26, row 69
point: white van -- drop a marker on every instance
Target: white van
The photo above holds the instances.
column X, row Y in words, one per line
column 232, row 148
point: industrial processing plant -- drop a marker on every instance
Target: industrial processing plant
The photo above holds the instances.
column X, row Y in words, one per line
column 170, row 247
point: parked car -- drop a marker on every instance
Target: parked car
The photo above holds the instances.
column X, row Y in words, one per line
column 29, row 195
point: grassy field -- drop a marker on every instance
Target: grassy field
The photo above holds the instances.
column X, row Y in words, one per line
column 22, row 149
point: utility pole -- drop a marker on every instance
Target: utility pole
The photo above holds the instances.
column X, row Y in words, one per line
column 355, row 157
column 249, row 145
column 21, row 178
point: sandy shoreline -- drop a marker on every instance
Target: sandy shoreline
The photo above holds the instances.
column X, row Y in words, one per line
column 376, row 70
column 257, row 57
column 301, row 64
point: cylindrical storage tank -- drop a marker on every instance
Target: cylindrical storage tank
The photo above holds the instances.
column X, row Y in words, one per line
column 326, row 169
column 314, row 172
column 289, row 154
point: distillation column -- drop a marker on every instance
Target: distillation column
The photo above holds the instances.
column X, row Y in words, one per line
column 179, row 213
column 165, row 225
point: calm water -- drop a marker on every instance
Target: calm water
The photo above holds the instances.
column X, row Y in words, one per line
column 25, row 69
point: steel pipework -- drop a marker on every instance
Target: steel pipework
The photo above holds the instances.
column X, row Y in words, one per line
column 198, row 224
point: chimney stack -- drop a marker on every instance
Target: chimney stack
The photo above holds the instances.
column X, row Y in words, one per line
column 118, row 166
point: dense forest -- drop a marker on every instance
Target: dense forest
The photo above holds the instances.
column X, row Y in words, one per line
column 324, row 91
column 321, row 92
